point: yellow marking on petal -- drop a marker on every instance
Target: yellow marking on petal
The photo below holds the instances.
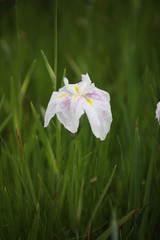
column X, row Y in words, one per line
column 90, row 101
column 62, row 95
column 75, row 96
column 76, row 88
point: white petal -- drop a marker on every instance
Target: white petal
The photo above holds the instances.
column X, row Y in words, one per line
column 84, row 88
column 64, row 90
column 66, row 82
column 69, row 111
column 99, row 116
column 69, row 87
column 51, row 108
column 99, row 95
column 158, row 112
column 86, row 78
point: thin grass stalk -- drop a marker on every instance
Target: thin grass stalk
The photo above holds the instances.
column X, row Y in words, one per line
column 75, row 187
column 5, row 122
column 26, row 81
column 49, row 153
column 2, row 102
column 99, row 201
column 14, row 104
column 18, row 43
column 58, row 125
column 55, row 40
column 143, row 228
column 17, row 29
column 10, row 221
column 33, row 234
column 17, row 80
column 137, row 168
column 26, row 176
column 50, row 70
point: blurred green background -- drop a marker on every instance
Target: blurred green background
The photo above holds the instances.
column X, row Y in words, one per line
column 118, row 44
column 104, row 38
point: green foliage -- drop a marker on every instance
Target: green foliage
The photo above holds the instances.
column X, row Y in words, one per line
column 56, row 185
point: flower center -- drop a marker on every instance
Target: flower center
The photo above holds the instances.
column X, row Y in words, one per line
column 78, row 94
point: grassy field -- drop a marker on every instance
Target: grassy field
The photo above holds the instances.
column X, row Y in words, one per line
column 58, row 185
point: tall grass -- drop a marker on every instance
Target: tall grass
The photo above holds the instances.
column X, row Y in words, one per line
column 56, row 185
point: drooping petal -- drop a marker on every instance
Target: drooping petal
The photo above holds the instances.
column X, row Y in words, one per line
column 69, row 111
column 99, row 116
column 51, row 108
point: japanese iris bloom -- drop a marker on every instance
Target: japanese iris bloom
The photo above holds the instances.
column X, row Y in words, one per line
column 158, row 112
column 73, row 100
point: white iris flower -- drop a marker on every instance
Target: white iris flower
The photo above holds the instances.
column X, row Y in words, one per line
column 158, row 112
column 73, row 100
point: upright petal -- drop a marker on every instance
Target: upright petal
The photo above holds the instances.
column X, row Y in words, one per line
column 71, row 88
column 84, row 88
column 86, row 78
column 69, row 111
column 99, row 116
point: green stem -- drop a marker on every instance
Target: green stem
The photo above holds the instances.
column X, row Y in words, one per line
column 58, row 125
column 55, row 40
column 17, row 79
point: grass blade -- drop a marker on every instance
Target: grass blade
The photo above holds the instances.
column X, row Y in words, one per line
column 1, row 102
column 80, row 202
column 34, row 230
column 148, row 187
column 14, row 105
column 46, row 143
column 47, row 195
column 27, row 80
column 149, row 176
column 100, row 200
column 25, row 171
column 9, row 215
column 50, row 70
column 5, row 122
